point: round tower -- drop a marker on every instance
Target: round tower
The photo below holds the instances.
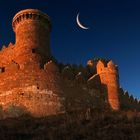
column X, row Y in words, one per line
column 32, row 28
column 109, row 77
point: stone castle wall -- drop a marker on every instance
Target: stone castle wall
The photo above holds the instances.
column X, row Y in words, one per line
column 27, row 75
column 32, row 100
column 31, row 80
column 17, row 85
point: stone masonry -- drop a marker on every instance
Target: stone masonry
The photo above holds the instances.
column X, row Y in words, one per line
column 28, row 77
column 31, row 80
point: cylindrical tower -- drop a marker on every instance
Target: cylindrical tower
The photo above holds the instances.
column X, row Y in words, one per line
column 110, row 82
column 32, row 29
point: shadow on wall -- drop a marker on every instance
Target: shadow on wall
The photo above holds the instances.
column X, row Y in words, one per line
column 128, row 102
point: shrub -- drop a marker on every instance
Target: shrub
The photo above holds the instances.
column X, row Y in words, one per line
column 15, row 111
column 1, row 112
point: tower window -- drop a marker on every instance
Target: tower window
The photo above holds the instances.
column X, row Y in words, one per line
column 27, row 16
column 2, row 69
column 34, row 50
column 22, row 94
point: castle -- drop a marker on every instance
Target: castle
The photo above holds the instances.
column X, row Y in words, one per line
column 32, row 80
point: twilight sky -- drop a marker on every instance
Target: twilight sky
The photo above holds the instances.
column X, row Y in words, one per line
column 114, row 32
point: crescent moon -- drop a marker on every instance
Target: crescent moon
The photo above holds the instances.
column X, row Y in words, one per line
column 79, row 23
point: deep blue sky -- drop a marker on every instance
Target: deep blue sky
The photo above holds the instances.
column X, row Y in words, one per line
column 114, row 32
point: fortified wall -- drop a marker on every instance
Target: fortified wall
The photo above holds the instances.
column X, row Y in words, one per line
column 31, row 80
column 109, row 79
column 28, row 77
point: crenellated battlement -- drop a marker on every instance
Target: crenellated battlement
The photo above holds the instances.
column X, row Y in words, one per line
column 31, row 14
column 109, row 76
column 103, row 67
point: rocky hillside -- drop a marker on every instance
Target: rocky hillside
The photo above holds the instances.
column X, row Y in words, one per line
column 75, row 125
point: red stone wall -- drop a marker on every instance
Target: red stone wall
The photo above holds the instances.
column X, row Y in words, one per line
column 23, row 80
column 34, row 82
column 35, row 101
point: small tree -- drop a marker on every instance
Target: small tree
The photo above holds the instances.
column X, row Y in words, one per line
column 1, row 112
column 15, row 111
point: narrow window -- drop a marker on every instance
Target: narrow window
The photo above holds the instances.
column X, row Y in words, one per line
column 27, row 16
column 2, row 69
column 34, row 50
column 22, row 94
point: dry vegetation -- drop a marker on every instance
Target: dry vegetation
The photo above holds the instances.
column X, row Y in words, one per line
column 77, row 125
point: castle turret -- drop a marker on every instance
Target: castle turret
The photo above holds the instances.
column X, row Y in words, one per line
column 108, row 73
column 32, row 29
column 26, row 69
